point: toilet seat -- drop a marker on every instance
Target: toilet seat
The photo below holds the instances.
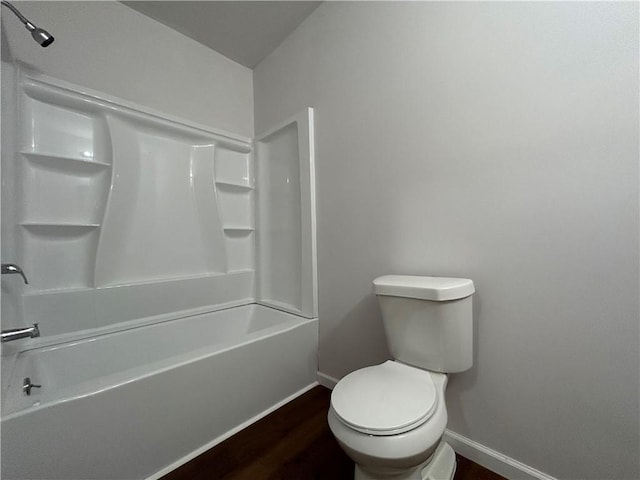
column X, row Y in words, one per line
column 386, row 399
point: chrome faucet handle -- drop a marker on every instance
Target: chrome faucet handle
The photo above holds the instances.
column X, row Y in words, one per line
column 27, row 386
column 9, row 268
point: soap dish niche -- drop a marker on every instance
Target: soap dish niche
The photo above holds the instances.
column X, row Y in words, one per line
column 56, row 131
column 59, row 256
column 240, row 248
column 53, row 191
column 236, row 208
column 233, row 168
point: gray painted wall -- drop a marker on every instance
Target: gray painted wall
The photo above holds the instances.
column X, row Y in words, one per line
column 496, row 141
column 111, row 48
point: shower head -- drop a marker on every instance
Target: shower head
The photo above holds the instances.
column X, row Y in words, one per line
column 40, row 35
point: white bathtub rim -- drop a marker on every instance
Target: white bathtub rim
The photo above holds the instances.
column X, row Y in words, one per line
column 127, row 327
column 86, row 335
column 169, row 363
column 221, row 438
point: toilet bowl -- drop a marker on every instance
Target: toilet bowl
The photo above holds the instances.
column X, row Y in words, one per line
column 397, row 443
column 390, row 418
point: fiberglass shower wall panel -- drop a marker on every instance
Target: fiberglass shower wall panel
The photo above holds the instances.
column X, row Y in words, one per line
column 65, row 172
column 120, row 216
column 286, row 241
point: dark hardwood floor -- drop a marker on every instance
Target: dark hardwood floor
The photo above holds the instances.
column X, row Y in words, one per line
column 292, row 443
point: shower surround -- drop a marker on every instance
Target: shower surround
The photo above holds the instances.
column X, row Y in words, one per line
column 148, row 240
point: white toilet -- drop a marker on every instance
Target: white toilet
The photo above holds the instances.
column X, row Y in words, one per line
column 390, row 418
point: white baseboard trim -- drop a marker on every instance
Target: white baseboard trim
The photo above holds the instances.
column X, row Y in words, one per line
column 327, row 381
column 492, row 460
column 221, row 438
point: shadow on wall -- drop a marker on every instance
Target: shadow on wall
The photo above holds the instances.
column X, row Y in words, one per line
column 5, row 53
column 362, row 321
column 464, row 382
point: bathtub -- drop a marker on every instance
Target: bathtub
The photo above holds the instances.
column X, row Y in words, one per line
column 138, row 403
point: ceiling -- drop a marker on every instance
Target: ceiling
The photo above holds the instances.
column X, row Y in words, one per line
column 244, row 31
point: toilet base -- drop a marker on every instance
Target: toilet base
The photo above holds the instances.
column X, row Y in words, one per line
column 441, row 466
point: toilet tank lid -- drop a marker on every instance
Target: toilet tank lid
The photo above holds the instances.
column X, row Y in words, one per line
column 425, row 288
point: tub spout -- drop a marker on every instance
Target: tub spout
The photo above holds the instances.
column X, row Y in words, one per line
column 18, row 333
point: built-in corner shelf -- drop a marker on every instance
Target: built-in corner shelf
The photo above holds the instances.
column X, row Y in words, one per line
column 66, row 164
column 53, row 227
column 239, row 230
column 234, row 187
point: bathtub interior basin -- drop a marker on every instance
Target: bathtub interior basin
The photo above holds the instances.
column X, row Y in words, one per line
column 155, row 395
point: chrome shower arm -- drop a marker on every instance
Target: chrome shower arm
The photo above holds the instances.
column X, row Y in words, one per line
column 22, row 18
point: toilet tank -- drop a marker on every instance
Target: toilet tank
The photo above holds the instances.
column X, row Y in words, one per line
column 428, row 321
